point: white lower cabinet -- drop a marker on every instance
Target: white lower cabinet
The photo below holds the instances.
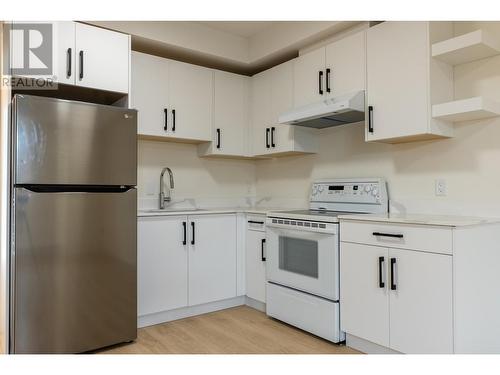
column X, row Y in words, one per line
column 397, row 298
column 255, row 259
column 421, row 307
column 185, row 261
column 364, row 305
column 162, row 264
column 212, row 258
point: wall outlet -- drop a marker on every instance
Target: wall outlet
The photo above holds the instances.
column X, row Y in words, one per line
column 440, row 187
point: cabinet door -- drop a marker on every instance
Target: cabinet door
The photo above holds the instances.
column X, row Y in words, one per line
column 397, row 76
column 212, row 258
column 190, row 96
column 307, row 79
column 421, row 306
column 346, row 60
column 260, row 111
column 149, row 92
column 103, row 58
column 256, row 265
column 364, row 302
column 231, row 99
column 162, row 261
column 282, row 101
column 63, row 50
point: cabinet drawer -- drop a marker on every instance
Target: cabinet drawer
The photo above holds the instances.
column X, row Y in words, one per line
column 256, row 222
column 402, row 236
column 305, row 311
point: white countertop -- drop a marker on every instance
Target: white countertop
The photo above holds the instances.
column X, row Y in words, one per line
column 421, row 219
column 208, row 211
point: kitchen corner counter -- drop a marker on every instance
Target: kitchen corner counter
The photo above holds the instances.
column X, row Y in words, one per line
column 421, row 219
column 208, row 211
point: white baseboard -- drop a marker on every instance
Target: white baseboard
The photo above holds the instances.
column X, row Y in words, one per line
column 257, row 305
column 366, row 346
column 186, row 312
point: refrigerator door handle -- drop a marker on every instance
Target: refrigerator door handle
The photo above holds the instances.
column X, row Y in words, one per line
column 76, row 188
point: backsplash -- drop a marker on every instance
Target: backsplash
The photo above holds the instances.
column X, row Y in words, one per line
column 210, row 182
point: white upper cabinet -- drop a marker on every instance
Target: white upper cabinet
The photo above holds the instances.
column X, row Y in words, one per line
column 336, row 69
column 174, row 99
column 403, row 82
column 84, row 55
column 149, row 91
column 190, row 100
column 345, row 69
column 64, row 37
column 231, row 116
column 102, row 58
column 271, row 95
column 309, row 78
column 260, row 107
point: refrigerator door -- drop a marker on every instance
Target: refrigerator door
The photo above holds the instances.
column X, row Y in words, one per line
column 73, row 143
column 74, row 282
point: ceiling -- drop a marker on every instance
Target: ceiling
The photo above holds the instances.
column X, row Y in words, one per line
column 245, row 29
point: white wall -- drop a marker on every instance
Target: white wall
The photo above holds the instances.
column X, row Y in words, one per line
column 212, row 181
column 469, row 162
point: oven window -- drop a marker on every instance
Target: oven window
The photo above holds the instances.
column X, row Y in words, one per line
column 298, row 256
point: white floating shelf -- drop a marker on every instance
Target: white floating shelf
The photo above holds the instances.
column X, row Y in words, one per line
column 475, row 108
column 465, row 48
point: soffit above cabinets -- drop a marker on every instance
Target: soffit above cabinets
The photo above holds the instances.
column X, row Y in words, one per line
column 245, row 47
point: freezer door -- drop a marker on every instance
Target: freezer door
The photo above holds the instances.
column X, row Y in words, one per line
column 74, row 279
column 73, row 143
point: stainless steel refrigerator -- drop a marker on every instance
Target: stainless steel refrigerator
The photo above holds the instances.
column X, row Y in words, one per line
column 73, row 234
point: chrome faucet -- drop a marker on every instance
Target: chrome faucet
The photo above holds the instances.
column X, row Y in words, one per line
column 164, row 198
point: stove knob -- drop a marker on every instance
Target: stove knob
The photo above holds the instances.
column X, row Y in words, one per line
column 375, row 192
column 320, row 188
column 368, row 188
column 314, row 190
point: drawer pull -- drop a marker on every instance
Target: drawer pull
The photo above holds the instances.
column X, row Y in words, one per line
column 262, row 256
column 255, row 222
column 380, row 234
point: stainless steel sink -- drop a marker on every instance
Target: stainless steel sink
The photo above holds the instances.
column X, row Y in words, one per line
column 167, row 209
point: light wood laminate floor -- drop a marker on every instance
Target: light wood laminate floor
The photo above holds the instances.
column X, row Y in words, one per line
column 240, row 330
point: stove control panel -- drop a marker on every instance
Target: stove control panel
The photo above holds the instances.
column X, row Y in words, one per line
column 366, row 194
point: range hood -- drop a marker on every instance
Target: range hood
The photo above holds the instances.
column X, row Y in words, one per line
column 329, row 112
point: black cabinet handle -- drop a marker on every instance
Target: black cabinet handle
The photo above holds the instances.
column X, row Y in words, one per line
column 184, row 226
column 68, row 63
column 393, row 282
column 165, row 126
column 81, row 64
column 262, row 257
column 370, row 119
column 320, row 82
column 273, row 129
column 267, row 138
column 173, row 120
column 218, row 138
column 192, row 233
column 381, row 283
column 393, row 235
column 255, row 222
column 328, row 79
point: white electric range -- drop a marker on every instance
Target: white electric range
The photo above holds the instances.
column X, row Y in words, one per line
column 303, row 253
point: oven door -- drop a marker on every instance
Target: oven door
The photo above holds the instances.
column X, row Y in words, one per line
column 304, row 260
